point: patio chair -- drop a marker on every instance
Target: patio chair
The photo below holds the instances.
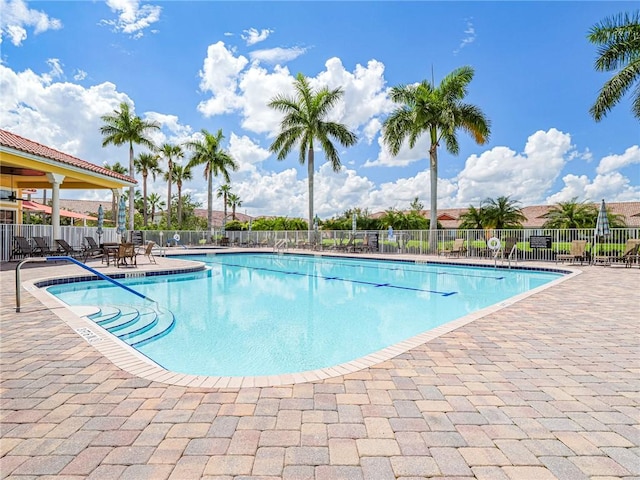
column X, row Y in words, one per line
column 456, row 249
column 22, row 248
column 68, row 249
column 42, row 247
column 364, row 246
column 576, row 252
column 126, row 255
column 147, row 251
column 92, row 249
column 631, row 252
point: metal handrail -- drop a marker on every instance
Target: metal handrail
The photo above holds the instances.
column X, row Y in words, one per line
column 77, row 262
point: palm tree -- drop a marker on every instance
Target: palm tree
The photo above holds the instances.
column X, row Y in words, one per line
column 156, row 203
column 234, row 201
column 571, row 214
column 472, row 219
column 122, row 127
column 303, row 122
column 216, row 161
column 502, row 213
column 146, row 163
column 439, row 112
column 618, row 39
column 115, row 193
column 170, row 152
column 179, row 174
column 224, row 191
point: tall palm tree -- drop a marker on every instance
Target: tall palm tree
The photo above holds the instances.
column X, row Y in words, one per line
column 618, row 39
column 234, row 201
column 146, row 163
column 208, row 152
column 123, row 127
column 502, row 213
column 224, row 191
column 156, row 203
column 571, row 214
column 170, row 153
column 115, row 193
column 179, row 174
column 305, row 122
column 439, row 112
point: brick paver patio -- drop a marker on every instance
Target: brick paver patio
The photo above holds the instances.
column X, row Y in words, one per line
column 548, row 387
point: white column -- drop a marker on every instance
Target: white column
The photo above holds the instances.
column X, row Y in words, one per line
column 56, row 180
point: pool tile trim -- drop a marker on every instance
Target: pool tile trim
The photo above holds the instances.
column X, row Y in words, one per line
column 134, row 362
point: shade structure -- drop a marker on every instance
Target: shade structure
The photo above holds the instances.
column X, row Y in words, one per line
column 602, row 224
column 99, row 231
column 38, row 207
column 122, row 216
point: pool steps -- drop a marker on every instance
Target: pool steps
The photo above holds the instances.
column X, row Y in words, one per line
column 134, row 325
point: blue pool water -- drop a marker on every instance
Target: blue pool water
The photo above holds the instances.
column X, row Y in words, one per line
column 266, row 314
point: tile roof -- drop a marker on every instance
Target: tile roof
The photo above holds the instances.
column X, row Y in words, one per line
column 16, row 142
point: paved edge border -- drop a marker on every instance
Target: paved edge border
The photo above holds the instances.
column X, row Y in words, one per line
column 134, row 362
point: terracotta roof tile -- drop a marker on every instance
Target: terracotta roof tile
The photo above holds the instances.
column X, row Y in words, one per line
column 11, row 140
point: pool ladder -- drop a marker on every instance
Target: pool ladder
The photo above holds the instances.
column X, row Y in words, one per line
column 280, row 245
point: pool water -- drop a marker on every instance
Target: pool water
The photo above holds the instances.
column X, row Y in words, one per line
column 268, row 314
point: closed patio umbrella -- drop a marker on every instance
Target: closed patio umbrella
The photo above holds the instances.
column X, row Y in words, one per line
column 100, row 231
column 602, row 226
column 122, row 216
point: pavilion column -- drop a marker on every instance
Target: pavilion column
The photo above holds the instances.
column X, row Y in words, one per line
column 56, row 180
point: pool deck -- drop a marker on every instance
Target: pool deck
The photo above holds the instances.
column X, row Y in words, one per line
column 545, row 387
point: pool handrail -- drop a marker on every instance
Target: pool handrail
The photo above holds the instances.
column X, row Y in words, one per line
column 77, row 262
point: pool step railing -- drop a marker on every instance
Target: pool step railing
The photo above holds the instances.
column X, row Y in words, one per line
column 280, row 245
column 134, row 325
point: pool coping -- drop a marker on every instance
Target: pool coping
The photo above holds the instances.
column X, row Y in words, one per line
column 136, row 363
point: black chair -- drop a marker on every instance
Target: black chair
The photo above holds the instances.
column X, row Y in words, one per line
column 22, row 248
column 92, row 249
column 42, row 247
column 68, row 249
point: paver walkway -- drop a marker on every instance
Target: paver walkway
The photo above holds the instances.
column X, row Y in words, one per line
column 546, row 388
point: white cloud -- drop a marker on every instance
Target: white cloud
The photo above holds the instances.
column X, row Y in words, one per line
column 79, row 75
column 56, row 68
column 16, row 17
column 246, row 152
column 405, row 156
column 277, row 55
column 470, row 37
column 219, row 76
column 253, row 36
column 610, row 163
column 526, row 177
column 133, row 18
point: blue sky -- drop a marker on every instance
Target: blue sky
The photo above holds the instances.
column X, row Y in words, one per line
column 212, row 65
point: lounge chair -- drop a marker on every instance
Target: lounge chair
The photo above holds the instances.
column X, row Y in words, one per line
column 631, row 252
column 22, row 248
column 126, row 255
column 576, row 252
column 68, row 249
column 92, row 249
column 42, row 247
column 456, row 249
column 147, row 251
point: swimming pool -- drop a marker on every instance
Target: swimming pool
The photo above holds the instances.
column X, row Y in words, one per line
column 255, row 314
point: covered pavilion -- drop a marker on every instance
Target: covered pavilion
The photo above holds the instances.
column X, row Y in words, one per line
column 25, row 164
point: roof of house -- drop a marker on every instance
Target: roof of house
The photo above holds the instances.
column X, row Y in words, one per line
column 16, row 142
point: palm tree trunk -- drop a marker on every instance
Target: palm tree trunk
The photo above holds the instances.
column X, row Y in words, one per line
column 433, row 213
column 131, row 188
column 225, row 204
column 233, row 211
column 170, row 168
column 310, row 180
column 179, row 204
column 210, row 201
column 144, row 197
